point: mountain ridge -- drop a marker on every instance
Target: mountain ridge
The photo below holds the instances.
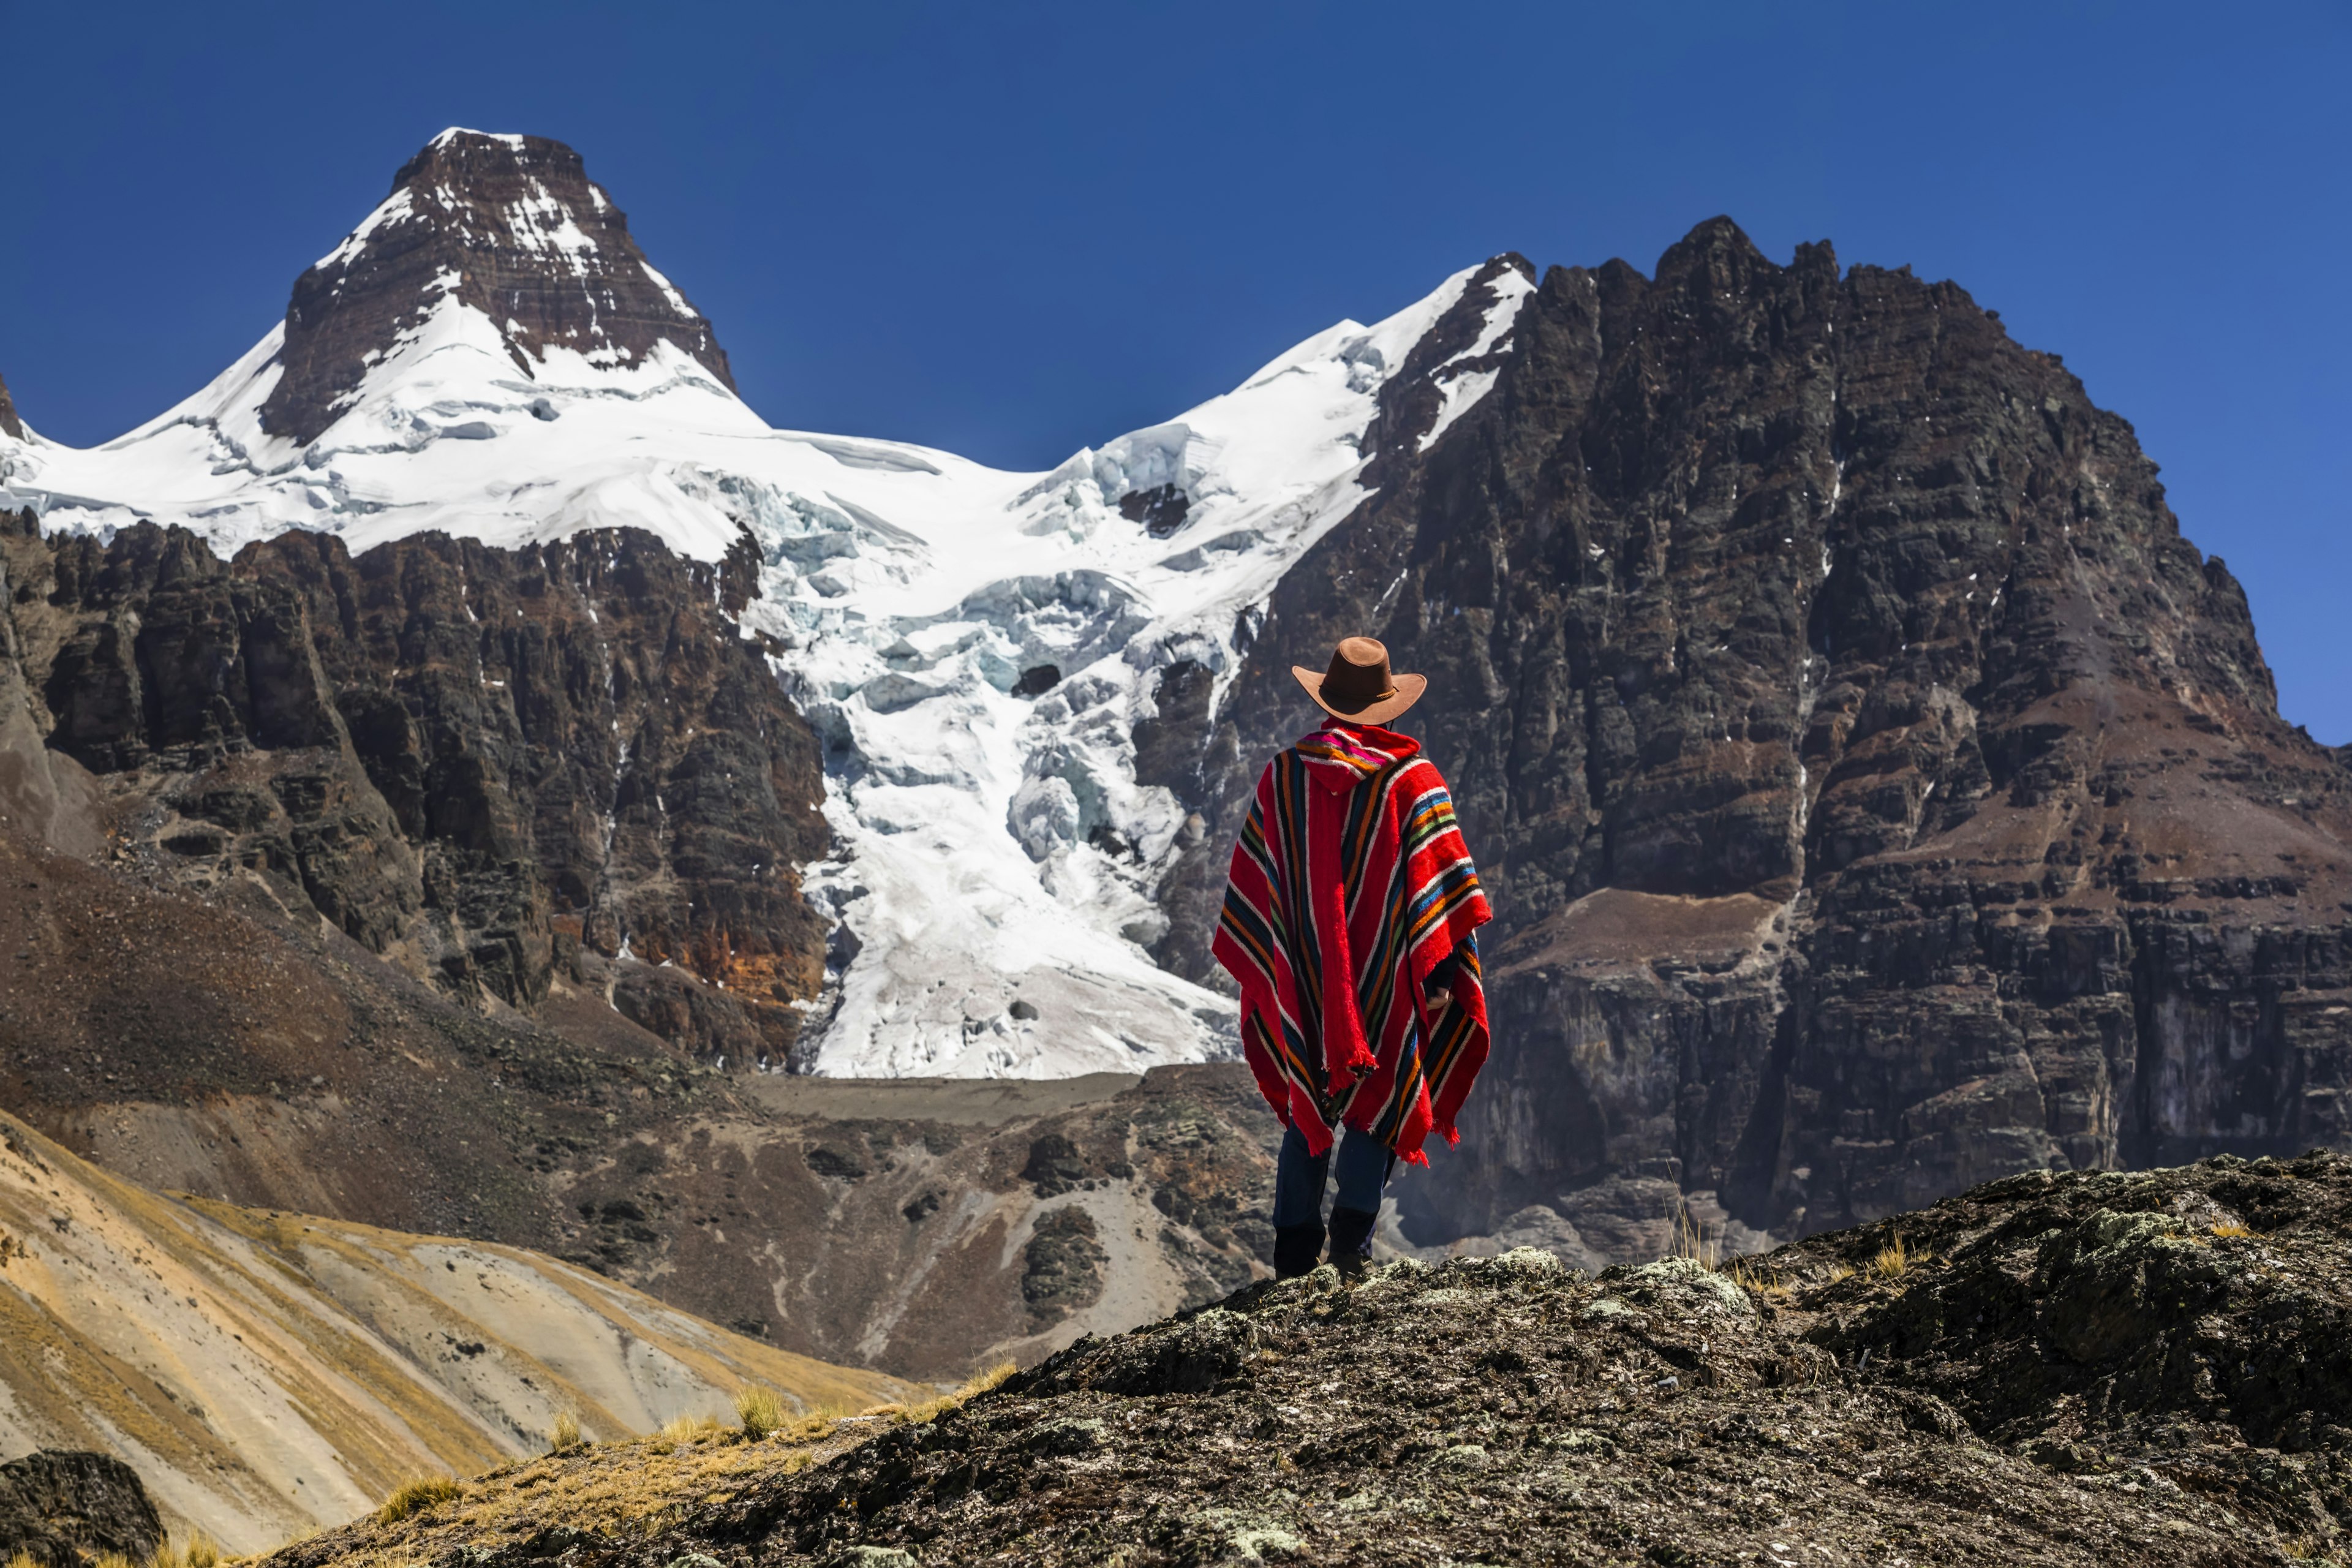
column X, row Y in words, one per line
column 1879, row 791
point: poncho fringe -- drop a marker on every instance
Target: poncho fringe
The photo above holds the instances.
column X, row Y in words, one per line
column 1350, row 882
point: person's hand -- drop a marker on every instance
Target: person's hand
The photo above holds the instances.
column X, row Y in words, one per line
column 1439, row 999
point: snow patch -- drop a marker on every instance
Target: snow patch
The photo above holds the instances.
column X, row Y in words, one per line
column 1462, row 387
column 455, row 131
column 396, row 208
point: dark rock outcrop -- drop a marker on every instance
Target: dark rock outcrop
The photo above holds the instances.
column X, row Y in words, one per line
column 475, row 218
column 1878, row 792
column 1062, row 1264
column 62, row 1508
column 9, row 424
column 1161, row 509
column 590, row 752
column 489, row 766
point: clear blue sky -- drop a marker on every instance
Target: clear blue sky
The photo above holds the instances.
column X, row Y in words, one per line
column 1012, row 229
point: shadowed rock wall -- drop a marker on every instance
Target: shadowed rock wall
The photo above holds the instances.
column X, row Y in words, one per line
column 488, row 766
column 1878, row 792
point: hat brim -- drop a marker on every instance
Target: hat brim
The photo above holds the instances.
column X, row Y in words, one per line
column 1408, row 691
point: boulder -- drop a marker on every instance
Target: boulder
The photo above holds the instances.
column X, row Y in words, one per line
column 61, row 1507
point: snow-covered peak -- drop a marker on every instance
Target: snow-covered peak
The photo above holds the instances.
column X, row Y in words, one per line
column 509, row 226
column 458, row 132
column 974, row 646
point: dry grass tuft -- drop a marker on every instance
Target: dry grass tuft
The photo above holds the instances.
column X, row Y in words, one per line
column 760, row 1410
column 197, row 1552
column 112, row 1559
column 565, row 1435
column 816, row 1423
column 24, row 1558
column 627, row 1488
column 2234, row 1227
column 1895, row 1259
column 980, row 1382
column 1692, row 1241
column 684, row 1431
column 1757, row 1281
column 416, row 1495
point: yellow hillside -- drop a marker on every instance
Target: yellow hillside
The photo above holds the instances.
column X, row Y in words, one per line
column 267, row 1372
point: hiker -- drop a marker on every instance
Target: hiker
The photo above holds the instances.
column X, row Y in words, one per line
column 1348, row 921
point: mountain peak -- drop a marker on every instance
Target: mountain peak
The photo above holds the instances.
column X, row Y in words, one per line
column 462, row 133
column 509, row 225
column 9, row 424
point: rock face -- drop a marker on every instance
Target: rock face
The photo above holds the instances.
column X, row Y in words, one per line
column 511, row 226
column 1878, row 792
column 9, row 423
column 485, row 765
column 62, row 1507
column 2087, row 1369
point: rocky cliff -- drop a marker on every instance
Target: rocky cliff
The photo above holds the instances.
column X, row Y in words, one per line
column 485, row 765
column 510, row 226
column 1877, row 792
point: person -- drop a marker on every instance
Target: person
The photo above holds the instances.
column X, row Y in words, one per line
column 1349, row 923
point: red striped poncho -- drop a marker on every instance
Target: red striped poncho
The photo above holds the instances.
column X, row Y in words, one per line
column 1350, row 884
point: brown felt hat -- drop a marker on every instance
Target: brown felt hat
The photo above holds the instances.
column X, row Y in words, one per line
column 1358, row 687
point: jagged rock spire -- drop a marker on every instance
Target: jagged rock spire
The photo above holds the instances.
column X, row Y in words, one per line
column 511, row 226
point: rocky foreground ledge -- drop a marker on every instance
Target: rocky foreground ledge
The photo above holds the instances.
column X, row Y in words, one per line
column 2090, row 1368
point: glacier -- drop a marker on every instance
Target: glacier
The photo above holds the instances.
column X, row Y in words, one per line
column 973, row 646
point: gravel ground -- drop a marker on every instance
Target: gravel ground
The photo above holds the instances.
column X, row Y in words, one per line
column 2099, row 1368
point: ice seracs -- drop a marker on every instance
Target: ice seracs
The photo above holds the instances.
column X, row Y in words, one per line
column 973, row 646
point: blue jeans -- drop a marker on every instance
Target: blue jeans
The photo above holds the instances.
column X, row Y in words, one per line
column 1299, row 1177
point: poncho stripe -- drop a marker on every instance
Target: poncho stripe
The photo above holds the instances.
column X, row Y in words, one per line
column 1350, row 884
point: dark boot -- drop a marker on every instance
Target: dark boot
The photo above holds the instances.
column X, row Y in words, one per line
column 1297, row 1250
column 1351, row 1239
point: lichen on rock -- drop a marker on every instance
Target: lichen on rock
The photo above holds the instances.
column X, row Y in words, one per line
column 1967, row 1405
